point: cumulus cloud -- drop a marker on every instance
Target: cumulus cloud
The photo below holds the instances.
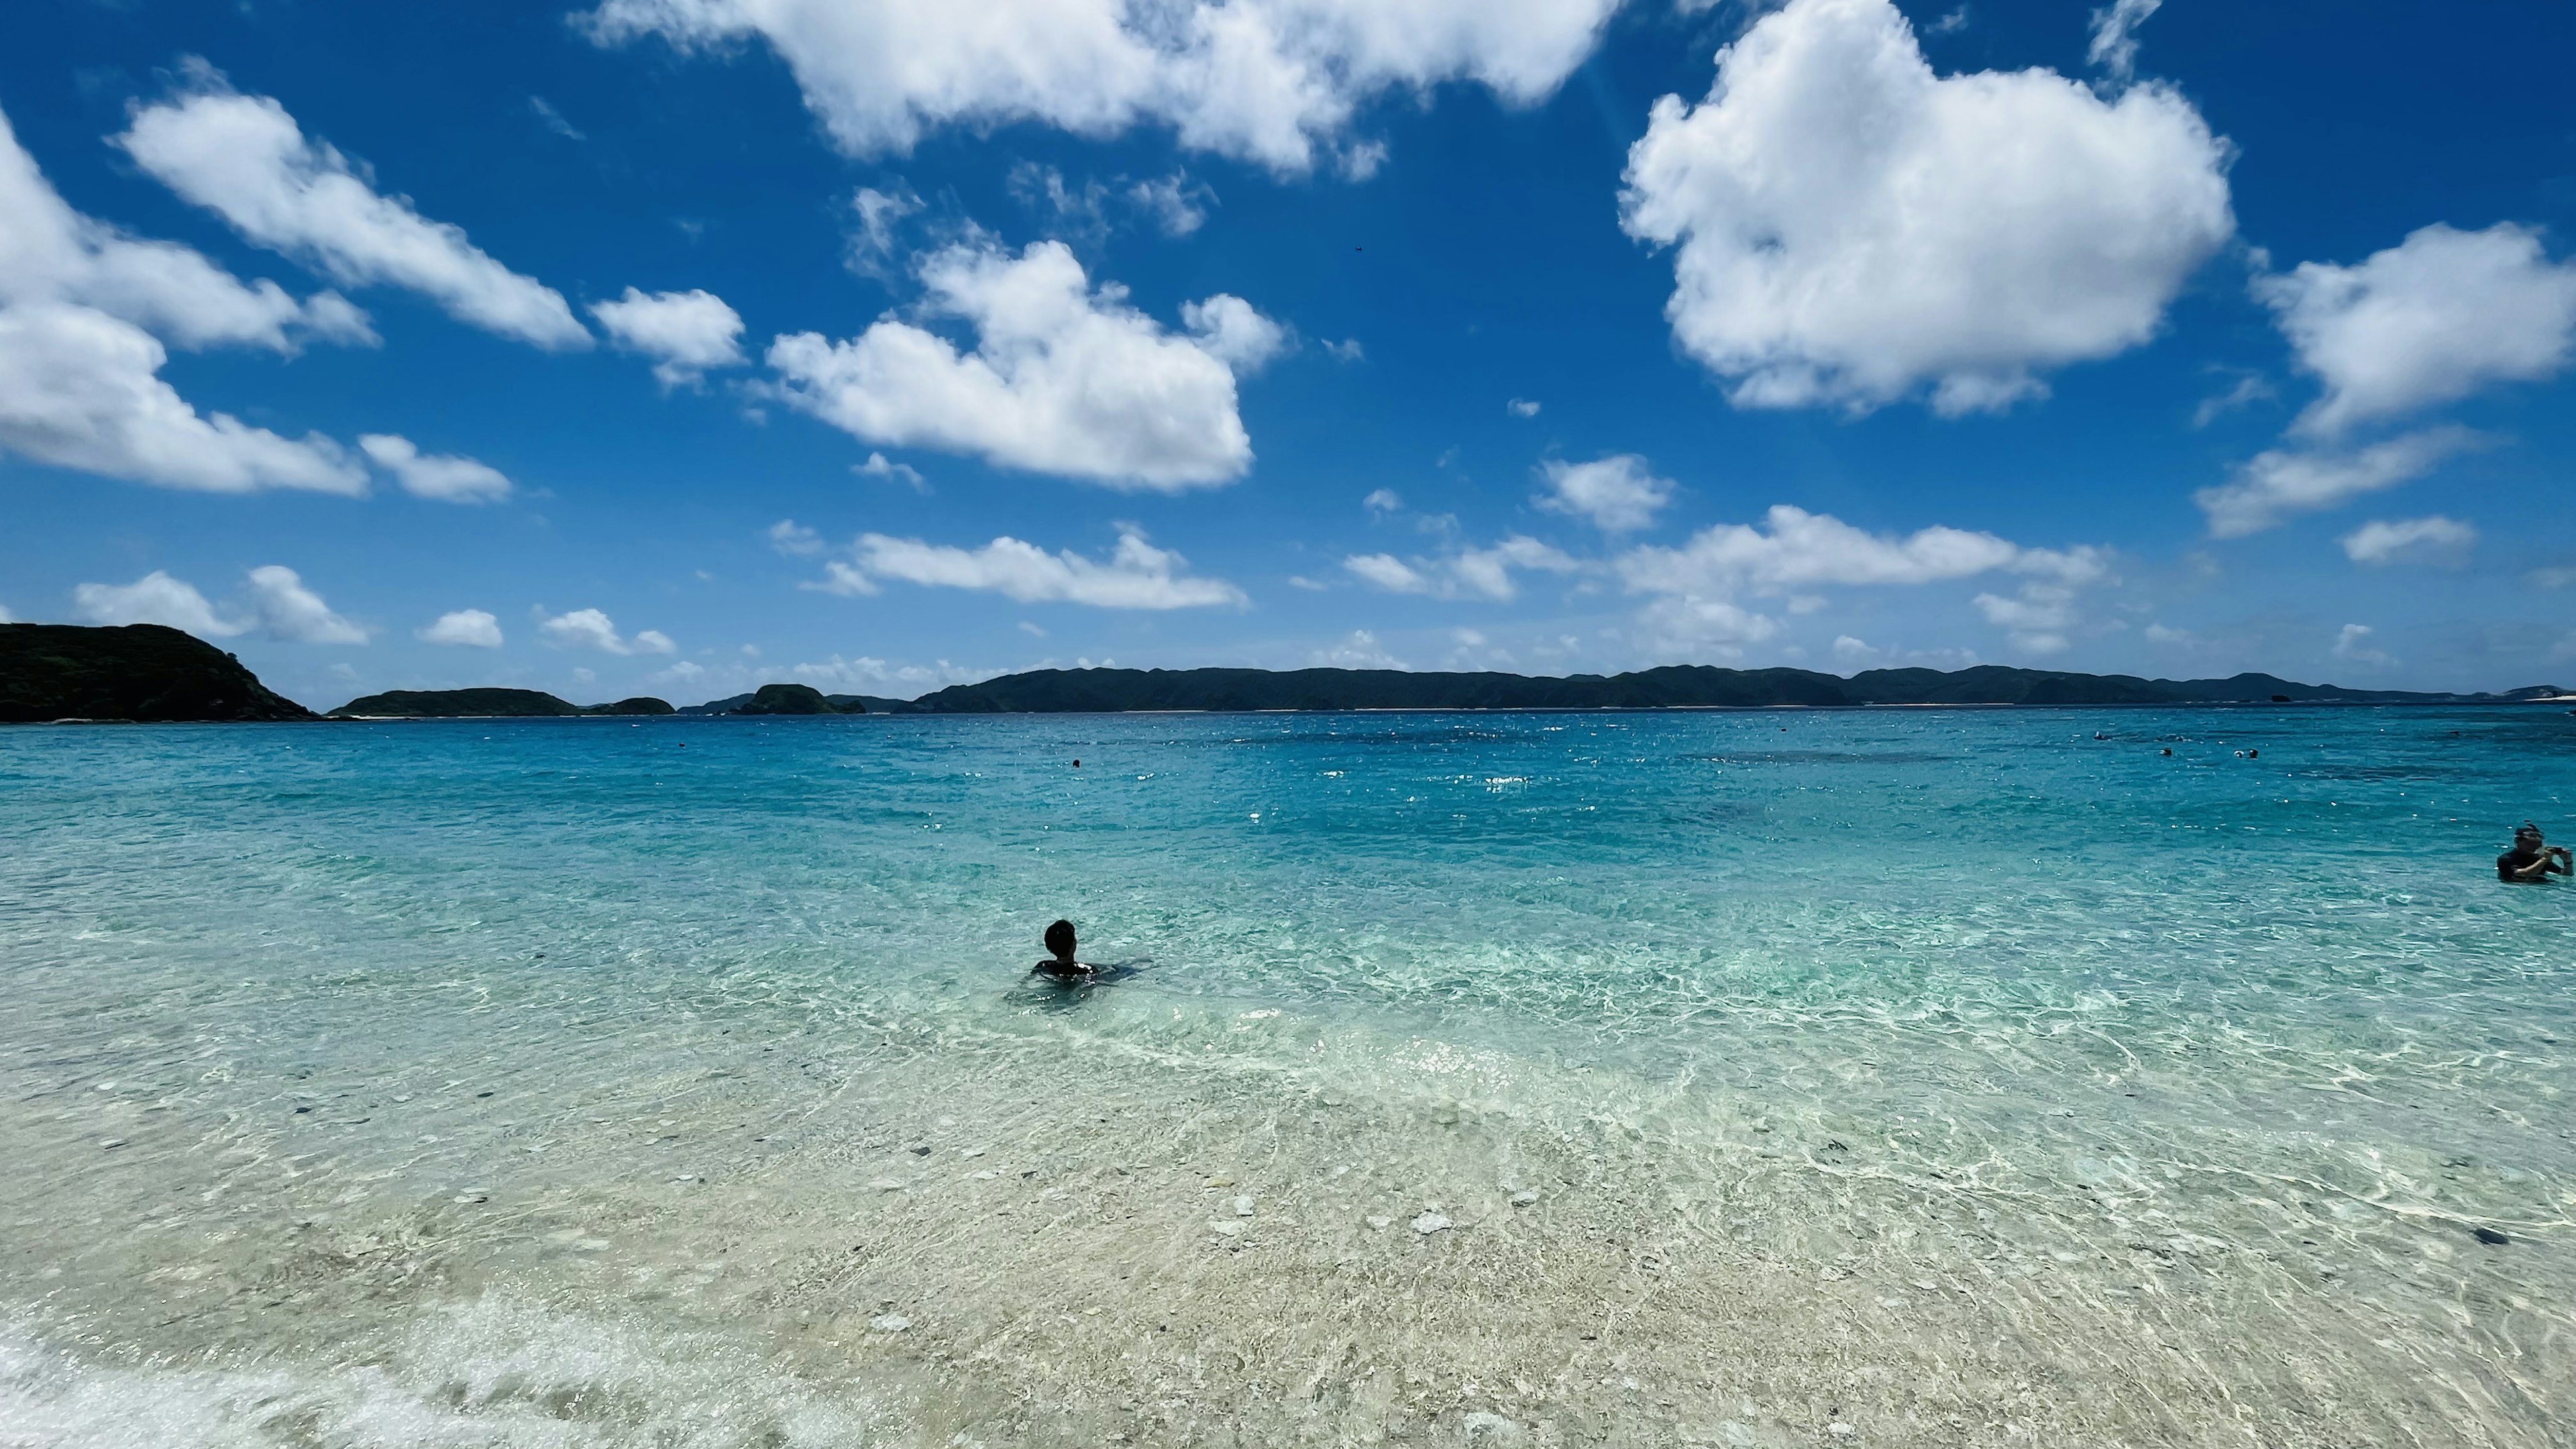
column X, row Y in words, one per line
column 2036, row 618
column 2282, row 481
column 51, row 253
column 1698, row 584
column 1383, row 500
column 245, row 159
column 80, row 361
column 464, row 628
column 2428, row 321
column 446, row 479
column 794, row 539
column 1064, row 379
column 1469, row 573
column 1176, row 204
column 1849, row 226
column 81, row 389
column 277, row 605
column 1137, row 575
column 689, row 333
column 873, row 247
column 2353, row 644
column 286, row 609
column 155, row 598
column 877, row 466
column 591, row 629
column 1229, row 330
column 1359, row 650
column 1805, row 549
column 2115, row 36
column 1521, row 407
column 1618, row 493
column 1276, row 82
column 2436, row 540
column 1346, row 350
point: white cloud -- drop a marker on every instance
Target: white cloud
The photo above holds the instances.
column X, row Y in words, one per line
column 2280, row 482
column 279, row 606
column 591, row 629
column 2353, row 644
column 1383, row 500
column 1359, row 651
column 1229, row 330
column 244, row 158
column 2167, row 634
column 288, row 610
column 1618, row 493
column 80, row 383
column 467, row 628
column 1387, row 572
column 690, row 333
column 2037, row 618
column 1521, row 407
column 1346, row 350
column 81, row 389
column 1471, row 573
column 155, row 598
column 1698, row 583
column 1137, row 575
column 446, row 479
column 2115, row 36
column 873, row 247
column 866, row 675
column 877, row 466
column 2428, row 321
column 1852, row 650
column 1081, row 213
column 1850, row 226
column 2410, row 540
column 554, row 119
column 1688, row 625
column 2249, row 389
column 1177, row 204
column 51, row 253
column 1277, row 82
column 1064, row 379
column 1804, row 549
column 794, row 539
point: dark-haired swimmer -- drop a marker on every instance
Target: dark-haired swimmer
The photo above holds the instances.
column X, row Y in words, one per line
column 2532, row 860
column 1060, row 963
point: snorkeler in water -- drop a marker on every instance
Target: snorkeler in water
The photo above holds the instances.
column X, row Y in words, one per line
column 2532, row 859
column 1060, row 964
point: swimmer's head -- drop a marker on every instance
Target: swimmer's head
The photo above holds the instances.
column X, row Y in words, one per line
column 2528, row 837
column 1059, row 940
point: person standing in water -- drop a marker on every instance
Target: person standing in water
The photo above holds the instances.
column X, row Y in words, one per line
column 2532, row 860
column 1060, row 964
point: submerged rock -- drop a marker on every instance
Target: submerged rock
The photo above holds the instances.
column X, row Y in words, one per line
column 1430, row 1223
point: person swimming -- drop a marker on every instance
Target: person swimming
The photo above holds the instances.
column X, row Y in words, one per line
column 1060, row 964
column 2532, row 859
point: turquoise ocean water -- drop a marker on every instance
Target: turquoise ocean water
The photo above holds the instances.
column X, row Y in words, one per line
column 2191, row 1051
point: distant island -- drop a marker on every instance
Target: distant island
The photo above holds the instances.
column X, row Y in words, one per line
column 140, row 673
column 147, row 673
column 484, row 704
column 1679, row 686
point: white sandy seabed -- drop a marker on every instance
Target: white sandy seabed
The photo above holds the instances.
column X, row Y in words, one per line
column 864, row 1239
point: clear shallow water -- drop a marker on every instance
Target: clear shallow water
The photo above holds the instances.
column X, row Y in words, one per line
column 559, row 1081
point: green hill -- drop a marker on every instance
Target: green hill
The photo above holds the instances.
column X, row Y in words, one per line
column 455, row 704
column 145, row 673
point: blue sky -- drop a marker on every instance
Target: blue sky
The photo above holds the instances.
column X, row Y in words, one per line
column 677, row 346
